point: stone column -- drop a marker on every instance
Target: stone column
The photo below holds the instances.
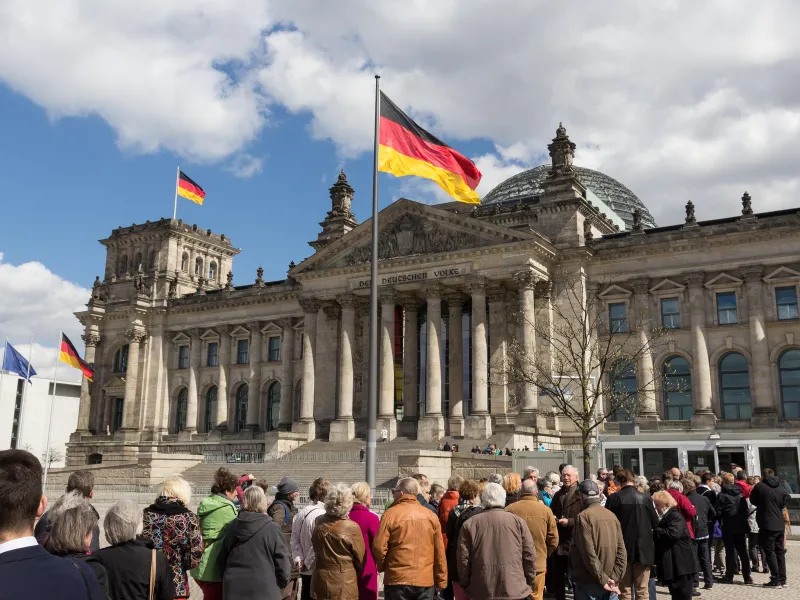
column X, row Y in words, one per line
column 386, row 415
column 307, row 425
column 91, row 339
column 130, row 417
column 478, row 425
column 455, row 360
column 529, row 403
column 498, row 355
column 764, row 412
column 703, row 417
column 431, row 426
column 223, row 364
column 410, row 358
column 363, row 305
column 254, row 381
column 194, row 366
column 343, row 429
column 646, row 376
column 287, row 375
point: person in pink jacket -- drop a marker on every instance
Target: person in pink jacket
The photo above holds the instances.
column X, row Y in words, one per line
column 684, row 507
column 369, row 522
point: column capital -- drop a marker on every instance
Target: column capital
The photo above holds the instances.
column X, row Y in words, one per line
column 409, row 301
column 753, row 273
column 544, row 288
column 387, row 296
column 477, row 284
column 223, row 330
column 641, row 286
column 193, row 333
column 135, row 335
column 526, row 280
column 254, row 327
column 286, row 323
column 309, row 305
column 433, row 290
column 332, row 310
column 695, row 279
column 91, row 339
column 347, row 301
column 454, row 297
column 496, row 293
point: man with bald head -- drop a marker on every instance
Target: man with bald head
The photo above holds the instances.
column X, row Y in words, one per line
column 542, row 525
column 566, row 505
column 408, row 548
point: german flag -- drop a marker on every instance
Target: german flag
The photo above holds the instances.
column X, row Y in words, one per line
column 407, row 149
column 189, row 189
column 69, row 355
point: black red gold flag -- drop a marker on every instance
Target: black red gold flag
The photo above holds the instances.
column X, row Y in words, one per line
column 69, row 355
column 189, row 189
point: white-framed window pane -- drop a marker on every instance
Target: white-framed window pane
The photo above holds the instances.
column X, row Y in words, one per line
column 671, row 313
column 786, row 298
column 726, row 308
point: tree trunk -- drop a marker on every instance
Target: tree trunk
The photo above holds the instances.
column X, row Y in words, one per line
column 587, row 456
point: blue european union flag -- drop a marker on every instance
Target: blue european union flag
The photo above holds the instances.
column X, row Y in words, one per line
column 14, row 362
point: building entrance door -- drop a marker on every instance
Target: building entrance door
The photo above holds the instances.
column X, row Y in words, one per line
column 730, row 457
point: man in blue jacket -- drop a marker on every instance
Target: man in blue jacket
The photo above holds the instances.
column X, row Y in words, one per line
column 26, row 569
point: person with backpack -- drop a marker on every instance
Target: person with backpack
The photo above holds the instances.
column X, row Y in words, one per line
column 283, row 510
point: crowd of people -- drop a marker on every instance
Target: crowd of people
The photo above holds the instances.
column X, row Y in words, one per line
column 506, row 537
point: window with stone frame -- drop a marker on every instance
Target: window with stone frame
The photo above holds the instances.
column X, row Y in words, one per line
column 212, row 271
column 198, row 266
column 624, row 391
column 121, row 360
column 789, row 374
column 185, row 262
column 212, row 354
column 677, row 389
column 671, row 313
column 183, row 357
column 734, row 387
column 210, row 419
column 274, row 348
column 181, row 410
column 786, row 301
column 618, row 317
column 726, row 308
column 242, row 352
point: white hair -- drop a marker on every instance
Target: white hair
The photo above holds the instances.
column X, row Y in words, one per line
column 528, row 471
column 177, row 487
column 496, row 478
column 641, row 481
column 569, row 468
column 675, row 485
column 123, row 522
column 493, row 496
column 255, row 500
column 339, row 501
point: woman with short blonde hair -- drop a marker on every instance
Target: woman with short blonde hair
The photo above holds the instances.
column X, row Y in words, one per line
column 177, row 487
column 512, row 483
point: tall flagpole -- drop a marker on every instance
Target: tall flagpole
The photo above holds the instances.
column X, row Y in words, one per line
column 25, row 385
column 372, row 411
column 2, row 370
column 52, row 403
column 175, row 206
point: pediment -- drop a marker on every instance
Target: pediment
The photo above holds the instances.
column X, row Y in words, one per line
column 614, row 291
column 782, row 274
column 240, row 331
column 723, row 280
column 410, row 229
column 667, row 286
column 271, row 328
column 115, row 382
column 209, row 334
column 181, row 338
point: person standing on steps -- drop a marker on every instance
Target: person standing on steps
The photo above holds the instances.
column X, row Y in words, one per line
column 384, row 434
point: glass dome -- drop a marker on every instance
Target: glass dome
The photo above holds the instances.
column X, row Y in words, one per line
column 529, row 183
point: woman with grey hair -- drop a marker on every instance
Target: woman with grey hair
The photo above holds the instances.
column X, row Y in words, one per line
column 339, row 549
column 641, row 484
column 253, row 558
column 72, row 521
column 130, row 558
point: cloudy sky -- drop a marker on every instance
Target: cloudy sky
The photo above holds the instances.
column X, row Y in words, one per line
column 263, row 101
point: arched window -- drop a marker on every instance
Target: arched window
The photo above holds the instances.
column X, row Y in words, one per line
column 123, row 264
column 273, row 406
column 789, row 370
column 180, row 410
column 185, row 262
column 211, row 409
column 198, row 266
column 121, row 360
column 677, row 389
column 137, row 261
column 241, row 407
column 734, row 387
column 624, row 394
column 212, row 271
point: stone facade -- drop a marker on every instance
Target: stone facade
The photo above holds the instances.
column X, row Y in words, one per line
column 185, row 357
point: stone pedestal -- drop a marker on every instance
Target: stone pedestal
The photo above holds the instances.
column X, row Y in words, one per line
column 391, row 428
column 478, row 427
column 430, row 429
column 764, row 417
column 648, row 422
column 342, row 430
column 306, row 428
column 704, row 420
column 457, row 427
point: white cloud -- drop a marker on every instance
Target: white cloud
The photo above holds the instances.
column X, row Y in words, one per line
column 35, row 301
column 245, row 165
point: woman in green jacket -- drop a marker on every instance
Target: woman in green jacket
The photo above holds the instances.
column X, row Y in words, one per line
column 216, row 511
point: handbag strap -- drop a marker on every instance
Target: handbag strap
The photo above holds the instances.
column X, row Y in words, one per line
column 152, row 574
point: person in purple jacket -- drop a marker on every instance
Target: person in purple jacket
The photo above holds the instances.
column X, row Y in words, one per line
column 368, row 521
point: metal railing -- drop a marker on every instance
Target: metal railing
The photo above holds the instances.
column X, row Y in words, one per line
column 298, row 456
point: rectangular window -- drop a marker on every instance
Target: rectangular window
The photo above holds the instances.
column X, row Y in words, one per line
column 119, row 406
column 671, row 313
column 274, row 349
column 183, row 357
column 726, row 308
column 786, row 298
column 213, row 353
column 242, row 355
column 618, row 317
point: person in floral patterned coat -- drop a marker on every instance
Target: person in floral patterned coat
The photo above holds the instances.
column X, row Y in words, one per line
column 175, row 530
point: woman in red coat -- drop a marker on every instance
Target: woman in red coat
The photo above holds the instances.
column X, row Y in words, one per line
column 684, row 507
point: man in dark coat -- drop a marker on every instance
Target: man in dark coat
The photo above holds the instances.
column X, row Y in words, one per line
column 566, row 505
column 26, row 569
column 283, row 510
column 704, row 523
column 770, row 498
column 638, row 519
column 732, row 511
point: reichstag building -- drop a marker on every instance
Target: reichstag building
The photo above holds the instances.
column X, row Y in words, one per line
column 186, row 360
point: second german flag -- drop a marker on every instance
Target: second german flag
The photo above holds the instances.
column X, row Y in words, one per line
column 407, row 149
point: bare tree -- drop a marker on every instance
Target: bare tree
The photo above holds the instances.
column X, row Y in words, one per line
column 52, row 456
column 588, row 367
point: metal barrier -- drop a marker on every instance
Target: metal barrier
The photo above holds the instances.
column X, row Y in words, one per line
column 388, row 456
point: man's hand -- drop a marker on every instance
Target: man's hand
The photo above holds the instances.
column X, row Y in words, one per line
column 563, row 522
column 298, row 564
column 611, row 586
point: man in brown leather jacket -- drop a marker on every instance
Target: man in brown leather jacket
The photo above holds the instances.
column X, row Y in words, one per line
column 408, row 548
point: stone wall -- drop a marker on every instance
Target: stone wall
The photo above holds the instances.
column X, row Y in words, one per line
column 149, row 469
column 439, row 466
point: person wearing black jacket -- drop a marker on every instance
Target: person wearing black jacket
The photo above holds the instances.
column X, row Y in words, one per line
column 254, row 557
column 770, row 498
column 468, row 494
column 732, row 510
column 674, row 552
column 703, row 526
column 635, row 513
